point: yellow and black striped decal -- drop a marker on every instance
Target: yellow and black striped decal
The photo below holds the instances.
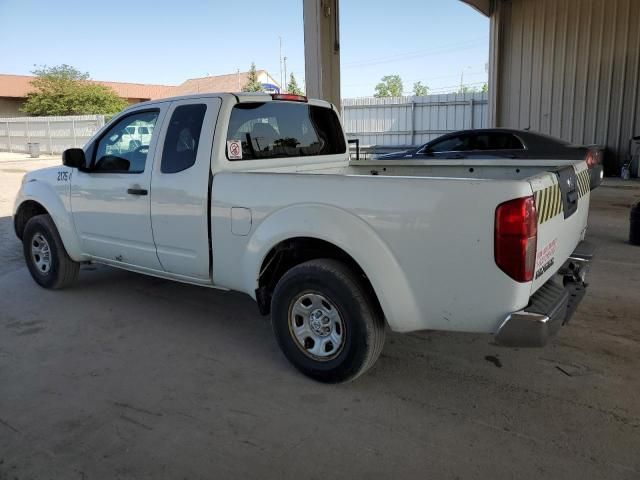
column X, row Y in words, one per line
column 548, row 202
column 584, row 182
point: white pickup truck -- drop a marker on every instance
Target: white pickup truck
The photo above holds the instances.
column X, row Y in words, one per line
column 257, row 193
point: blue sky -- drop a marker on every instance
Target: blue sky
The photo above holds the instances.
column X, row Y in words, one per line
column 167, row 42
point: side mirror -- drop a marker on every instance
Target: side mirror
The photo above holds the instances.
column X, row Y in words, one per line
column 74, row 158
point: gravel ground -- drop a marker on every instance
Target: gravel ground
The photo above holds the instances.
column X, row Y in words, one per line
column 126, row 376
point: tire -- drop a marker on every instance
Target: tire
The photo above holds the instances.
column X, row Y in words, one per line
column 46, row 257
column 326, row 322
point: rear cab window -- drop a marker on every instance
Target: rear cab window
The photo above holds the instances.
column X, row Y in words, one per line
column 277, row 129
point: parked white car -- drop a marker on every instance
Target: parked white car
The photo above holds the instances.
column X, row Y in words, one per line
column 132, row 137
column 256, row 193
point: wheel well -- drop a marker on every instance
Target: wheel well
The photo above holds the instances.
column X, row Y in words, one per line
column 25, row 212
column 289, row 253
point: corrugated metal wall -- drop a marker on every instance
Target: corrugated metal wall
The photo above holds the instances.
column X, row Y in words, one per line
column 570, row 68
column 412, row 120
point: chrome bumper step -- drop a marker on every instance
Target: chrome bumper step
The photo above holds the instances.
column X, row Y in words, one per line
column 551, row 306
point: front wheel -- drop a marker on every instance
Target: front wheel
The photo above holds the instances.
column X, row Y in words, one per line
column 326, row 322
column 48, row 261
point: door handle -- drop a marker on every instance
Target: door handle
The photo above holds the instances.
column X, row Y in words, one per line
column 137, row 191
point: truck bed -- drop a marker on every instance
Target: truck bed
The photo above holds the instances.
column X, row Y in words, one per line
column 503, row 169
column 435, row 220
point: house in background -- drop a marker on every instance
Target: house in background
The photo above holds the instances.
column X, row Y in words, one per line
column 14, row 89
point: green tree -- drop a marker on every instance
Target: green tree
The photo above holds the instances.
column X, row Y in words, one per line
column 252, row 85
column 420, row 90
column 485, row 87
column 389, row 86
column 293, row 86
column 64, row 90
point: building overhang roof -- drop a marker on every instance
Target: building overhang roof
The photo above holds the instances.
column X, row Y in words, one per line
column 482, row 6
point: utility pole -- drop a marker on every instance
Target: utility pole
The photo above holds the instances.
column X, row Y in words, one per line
column 238, row 78
column 462, row 89
column 280, row 39
column 284, row 86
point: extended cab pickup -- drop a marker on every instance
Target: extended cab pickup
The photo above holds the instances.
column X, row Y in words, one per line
column 256, row 193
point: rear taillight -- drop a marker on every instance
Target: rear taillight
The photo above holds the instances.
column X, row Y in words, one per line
column 516, row 237
column 289, row 97
column 592, row 158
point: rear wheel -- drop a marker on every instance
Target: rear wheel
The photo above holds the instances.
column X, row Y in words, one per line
column 326, row 322
column 47, row 260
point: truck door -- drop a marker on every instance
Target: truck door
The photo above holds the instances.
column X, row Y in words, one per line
column 110, row 202
column 180, row 188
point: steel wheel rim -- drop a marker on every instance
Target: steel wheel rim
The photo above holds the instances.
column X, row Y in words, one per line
column 41, row 253
column 316, row 326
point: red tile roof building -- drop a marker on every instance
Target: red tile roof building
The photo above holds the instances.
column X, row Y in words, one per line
column 14, row 89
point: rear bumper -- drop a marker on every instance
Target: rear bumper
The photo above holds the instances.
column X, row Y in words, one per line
column 551, row 306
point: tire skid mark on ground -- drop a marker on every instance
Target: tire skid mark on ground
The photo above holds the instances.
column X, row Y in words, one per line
column 9, row 426
column 137, row 409
column 135, row 422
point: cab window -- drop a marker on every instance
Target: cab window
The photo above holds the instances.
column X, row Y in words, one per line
column 183, row 137
column 284, row 129
column 118, row 151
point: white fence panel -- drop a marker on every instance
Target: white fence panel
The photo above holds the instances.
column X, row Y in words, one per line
column 385, row 122
column 405, row 121
column 54, row 134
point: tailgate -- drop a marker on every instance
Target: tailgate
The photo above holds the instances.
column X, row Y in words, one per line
column 562, row 204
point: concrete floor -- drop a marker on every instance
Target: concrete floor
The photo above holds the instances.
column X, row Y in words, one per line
column 126, row 376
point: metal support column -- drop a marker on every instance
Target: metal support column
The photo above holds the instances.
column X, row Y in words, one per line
column 322, row 50
column 495, row 25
